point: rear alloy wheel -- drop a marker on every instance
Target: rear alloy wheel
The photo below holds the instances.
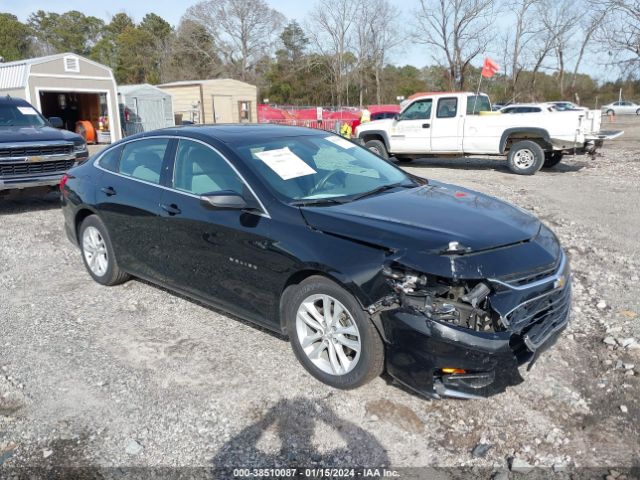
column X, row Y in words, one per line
column 525, row 157
column 97, row 253
column 331, row 335
column 377, row 147
column 610, row 112
column 551, row 159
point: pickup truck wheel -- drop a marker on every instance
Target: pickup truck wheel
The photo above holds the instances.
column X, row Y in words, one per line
column 551, row 159
column 525, row 157
column 377, row 147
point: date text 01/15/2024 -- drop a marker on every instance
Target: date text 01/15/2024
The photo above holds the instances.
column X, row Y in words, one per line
column 314, row 473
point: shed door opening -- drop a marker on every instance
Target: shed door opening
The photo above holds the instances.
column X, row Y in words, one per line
column 75, row 107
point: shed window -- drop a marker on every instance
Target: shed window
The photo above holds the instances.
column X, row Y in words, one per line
column 71, row 64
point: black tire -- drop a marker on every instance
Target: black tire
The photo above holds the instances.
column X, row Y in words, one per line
column 112, row 275
column 638, row 111
column 404, row 159
column 371, row 360
column 551, row 159
column 521, row 148
column 377, row 147
column 610, row 112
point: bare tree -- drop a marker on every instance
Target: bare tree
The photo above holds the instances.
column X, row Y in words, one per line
column 589, row 25
column 244, row 31
column 458, row 29
column 557, row 21
column 524, row 34
column 620, row 33
column 332, row 32
column 385, row 36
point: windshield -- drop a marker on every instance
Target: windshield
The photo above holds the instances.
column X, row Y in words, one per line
column 313, row 168
column 477, row 104
column 20, row 116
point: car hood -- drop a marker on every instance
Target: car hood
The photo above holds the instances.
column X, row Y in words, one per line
column 427, row 218
column 35, row 134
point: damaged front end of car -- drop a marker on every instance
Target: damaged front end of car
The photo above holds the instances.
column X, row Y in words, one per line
column 469, row 337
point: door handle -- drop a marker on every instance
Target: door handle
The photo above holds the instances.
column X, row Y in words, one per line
column 426, row 125
column 171, row 209
column 108, row 191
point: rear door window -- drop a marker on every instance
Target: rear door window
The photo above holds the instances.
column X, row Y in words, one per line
column 447, row 108
column 110, row 159
column 142, row 159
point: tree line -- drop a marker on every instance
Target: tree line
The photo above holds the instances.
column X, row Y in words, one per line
column 342, row 52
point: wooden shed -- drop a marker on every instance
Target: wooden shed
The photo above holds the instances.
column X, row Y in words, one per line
column 68, row 86
column 219, row 100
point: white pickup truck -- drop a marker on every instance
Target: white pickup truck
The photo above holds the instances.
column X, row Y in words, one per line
column 446, row 124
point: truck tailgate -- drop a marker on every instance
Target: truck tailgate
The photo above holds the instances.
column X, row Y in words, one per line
column 604, row 135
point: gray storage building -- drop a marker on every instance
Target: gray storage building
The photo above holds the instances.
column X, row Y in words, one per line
column 65, row 85
column 144, row 108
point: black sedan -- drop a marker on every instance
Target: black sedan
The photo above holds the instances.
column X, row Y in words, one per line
column 362, row 265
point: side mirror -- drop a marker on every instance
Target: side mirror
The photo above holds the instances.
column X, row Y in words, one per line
column 396, row 117
column 56, row 122
column 224, row 200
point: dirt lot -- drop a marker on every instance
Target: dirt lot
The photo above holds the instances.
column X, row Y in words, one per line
column 136, row 376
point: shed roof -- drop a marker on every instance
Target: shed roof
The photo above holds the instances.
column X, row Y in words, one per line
column 128, row 89
column 14, row 74
column 211, row 81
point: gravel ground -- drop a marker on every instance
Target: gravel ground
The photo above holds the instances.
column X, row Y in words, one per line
column 136, row 376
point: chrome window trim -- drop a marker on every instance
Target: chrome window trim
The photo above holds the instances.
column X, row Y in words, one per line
column 543, row 281
column 96, row 163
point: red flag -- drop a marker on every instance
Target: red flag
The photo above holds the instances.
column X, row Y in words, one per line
column 489, row 68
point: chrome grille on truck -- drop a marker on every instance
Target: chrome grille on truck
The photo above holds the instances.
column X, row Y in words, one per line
column 28, row 168
column 39, row 150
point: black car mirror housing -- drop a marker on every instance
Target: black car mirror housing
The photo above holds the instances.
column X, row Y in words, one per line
column 227, row 200
column 56, row 122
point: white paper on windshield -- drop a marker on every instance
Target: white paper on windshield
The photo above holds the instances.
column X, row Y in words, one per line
column 27, row 111
column 341, row 142
column 285, row 163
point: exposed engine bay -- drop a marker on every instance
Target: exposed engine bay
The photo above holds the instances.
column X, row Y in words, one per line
column 462, row 303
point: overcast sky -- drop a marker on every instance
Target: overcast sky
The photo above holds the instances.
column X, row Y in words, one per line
column 172, row 10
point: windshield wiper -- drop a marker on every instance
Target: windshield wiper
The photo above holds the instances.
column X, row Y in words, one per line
column 382, row 188
column 315, row 202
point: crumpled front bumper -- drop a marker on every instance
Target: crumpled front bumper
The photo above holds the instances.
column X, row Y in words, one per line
column 419, row 348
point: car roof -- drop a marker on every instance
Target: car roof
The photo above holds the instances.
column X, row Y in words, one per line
column 231, row 133
column 7, row 100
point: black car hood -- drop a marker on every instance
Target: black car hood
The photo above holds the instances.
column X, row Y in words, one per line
column 427, row 218
column 417, row 226
column 35, row 134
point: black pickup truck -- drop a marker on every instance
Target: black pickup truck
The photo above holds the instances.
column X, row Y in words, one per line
column 33, row 152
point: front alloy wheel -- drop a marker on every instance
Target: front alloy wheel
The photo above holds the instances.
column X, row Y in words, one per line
column 331, row 335
column 328, row 334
